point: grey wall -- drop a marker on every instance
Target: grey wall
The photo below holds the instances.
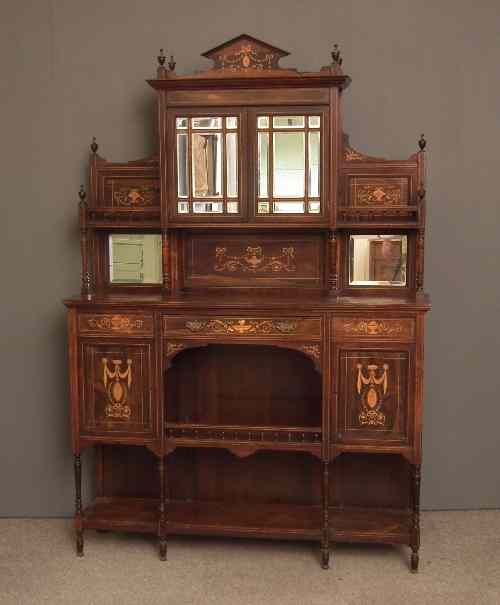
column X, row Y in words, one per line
column 74, row 69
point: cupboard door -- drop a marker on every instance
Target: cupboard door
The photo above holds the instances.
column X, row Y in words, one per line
column 116, row 388
column 374, row 403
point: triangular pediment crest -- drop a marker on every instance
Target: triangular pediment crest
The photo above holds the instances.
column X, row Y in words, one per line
column 245, row 53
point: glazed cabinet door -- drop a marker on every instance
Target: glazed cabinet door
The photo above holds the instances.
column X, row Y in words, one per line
column 116, row 388
column 375, row 394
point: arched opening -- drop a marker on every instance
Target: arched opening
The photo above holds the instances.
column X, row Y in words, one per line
column 244, row 385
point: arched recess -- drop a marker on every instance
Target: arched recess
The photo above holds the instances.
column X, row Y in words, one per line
column 245, row 386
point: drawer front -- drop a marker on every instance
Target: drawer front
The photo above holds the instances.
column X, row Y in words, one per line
column 346, row 328
column 116, row 388
column 115, row 323
column 243, row 327
column 374, row 402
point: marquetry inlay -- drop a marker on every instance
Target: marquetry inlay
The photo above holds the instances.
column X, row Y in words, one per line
column 313, row 351
column 402, row 328
column 372, row 389
column 174, row 347
column 351, row 155
column 117, row 383
column 245, row 53
column 255, row 261
column 387, row 194
column 115, row 323
column 242, row 326
column 143, row 195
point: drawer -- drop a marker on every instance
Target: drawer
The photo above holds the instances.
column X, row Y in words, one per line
column 243, row 327
column 115, row 323
column 347, row 328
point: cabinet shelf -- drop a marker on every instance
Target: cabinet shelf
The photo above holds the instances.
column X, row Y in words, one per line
column 283, row 521
column 255, row 437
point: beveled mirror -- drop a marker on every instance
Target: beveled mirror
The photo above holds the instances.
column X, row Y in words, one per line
column 377, row 260
column 135, row 258
column 207, row 164
column 288, row 164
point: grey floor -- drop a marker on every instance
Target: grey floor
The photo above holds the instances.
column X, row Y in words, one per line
column 460, row 564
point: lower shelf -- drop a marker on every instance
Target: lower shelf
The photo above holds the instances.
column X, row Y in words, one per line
column 280, row 521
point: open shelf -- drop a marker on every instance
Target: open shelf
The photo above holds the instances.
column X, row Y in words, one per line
column 234, row 436
column 370, row 525
column 280, row 521
column 244, row 385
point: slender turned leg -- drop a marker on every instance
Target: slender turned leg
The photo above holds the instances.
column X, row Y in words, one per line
column 162, row 538
column 415, row 531
column 325, row 539
column 78, row 505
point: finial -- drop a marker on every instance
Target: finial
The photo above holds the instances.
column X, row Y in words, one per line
column 82, row 195
column 171, row 63
column 422, row 142
column 161, row 72
column 94, row 146
column 161, row 58
column 336, row 58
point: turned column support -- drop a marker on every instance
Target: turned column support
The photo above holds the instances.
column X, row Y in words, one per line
column 165, row 245
column 415, row 529
column 162, row 520
column 86, row 288
column 325, row 533
column 332, row 262
column 77, row 463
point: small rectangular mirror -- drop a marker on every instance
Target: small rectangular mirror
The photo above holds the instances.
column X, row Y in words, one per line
column 288, row 121
column 206, row 162
column 289, row 164
column 135, row 258
column 263, row 161
column 182, row 165
column 314, row 163
column 377, row 260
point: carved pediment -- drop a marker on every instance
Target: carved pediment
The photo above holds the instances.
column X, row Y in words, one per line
column 245, row 53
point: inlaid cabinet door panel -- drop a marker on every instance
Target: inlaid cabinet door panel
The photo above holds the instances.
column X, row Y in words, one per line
column 374, row 402
column 116, row 388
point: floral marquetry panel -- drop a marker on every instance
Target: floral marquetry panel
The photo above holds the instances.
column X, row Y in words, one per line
column 116, row 389
column 369, row 191
column 131, row 186
column 224, row 327
column 374, row 402
column 228, row 260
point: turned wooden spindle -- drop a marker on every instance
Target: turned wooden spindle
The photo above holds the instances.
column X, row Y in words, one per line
column 162, row 521
column 165, row 246
column 332, row 262
column 420, row 248
column 420, row 259
column 325, row 534
column 78, row 505
column 415, row 529
column 86, row 288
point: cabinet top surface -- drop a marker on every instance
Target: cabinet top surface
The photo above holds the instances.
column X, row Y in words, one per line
column 284, row 301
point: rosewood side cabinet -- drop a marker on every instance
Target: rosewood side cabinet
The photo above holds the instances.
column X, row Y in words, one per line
column 246, row 354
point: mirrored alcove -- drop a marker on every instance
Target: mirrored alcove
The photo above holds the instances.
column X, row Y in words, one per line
column 378, row 260
column 135, row 258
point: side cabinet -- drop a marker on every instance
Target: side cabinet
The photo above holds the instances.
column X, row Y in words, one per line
column 374, row 384
column 116, row 377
